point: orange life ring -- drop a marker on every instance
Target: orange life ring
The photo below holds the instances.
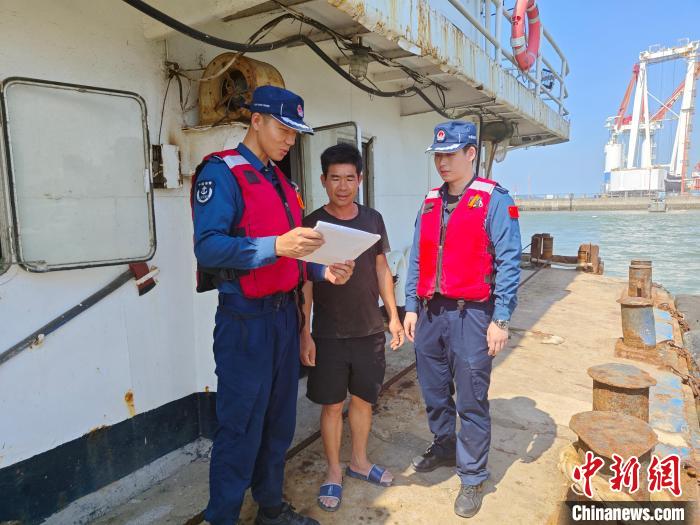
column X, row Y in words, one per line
column 525, row 50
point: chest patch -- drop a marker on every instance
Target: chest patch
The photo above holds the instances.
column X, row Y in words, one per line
column 204, row 191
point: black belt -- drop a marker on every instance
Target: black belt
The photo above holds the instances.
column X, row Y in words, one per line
column 440, row 303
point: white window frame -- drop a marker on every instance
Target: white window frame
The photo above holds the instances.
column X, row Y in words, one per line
column 304, row 138
column 10, row 227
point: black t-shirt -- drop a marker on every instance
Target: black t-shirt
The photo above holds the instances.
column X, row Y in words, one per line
column 351, row 309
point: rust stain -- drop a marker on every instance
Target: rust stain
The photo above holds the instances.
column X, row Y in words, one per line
column 96, row 429
column 206, row 389
column 129, row 400
column 354, row 9
column 606, row 433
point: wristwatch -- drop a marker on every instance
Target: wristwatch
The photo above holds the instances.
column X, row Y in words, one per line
column 501, row 323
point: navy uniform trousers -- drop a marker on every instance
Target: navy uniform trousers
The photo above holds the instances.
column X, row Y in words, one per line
column 452, row 355
column 256, row 349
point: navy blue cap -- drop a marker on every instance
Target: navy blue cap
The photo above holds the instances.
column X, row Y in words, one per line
column 453, row 136
column 281, row 104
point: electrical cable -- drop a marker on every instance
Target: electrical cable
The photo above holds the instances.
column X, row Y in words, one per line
column 284, row 42
column 162, row 110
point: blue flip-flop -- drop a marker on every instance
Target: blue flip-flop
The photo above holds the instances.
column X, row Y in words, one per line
column 330, row 490
column 374, row 476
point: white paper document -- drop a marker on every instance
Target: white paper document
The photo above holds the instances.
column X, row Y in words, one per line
column 341, row 244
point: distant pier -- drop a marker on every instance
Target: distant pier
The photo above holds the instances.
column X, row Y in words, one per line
column 573, row 202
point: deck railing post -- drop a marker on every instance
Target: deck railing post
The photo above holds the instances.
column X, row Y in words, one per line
column 499, row 18
column 538, row 75
column 562, row 89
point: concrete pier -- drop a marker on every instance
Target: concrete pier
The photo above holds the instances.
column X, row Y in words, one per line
column 567, row 203
column 566, row 322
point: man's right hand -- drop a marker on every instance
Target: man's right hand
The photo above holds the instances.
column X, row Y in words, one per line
column 298, row 243
column 409, row 325
column 307, row 350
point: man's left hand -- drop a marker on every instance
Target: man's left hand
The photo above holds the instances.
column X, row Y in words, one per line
column 496, row 338
column 339, row 273
column 396, row 330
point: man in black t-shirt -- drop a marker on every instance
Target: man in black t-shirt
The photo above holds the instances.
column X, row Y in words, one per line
column 346, row 352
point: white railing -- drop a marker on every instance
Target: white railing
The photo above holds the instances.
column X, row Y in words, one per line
column 553, row 88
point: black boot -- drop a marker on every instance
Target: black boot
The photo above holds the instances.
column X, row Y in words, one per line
column 468, row 501
column 436, row 455
column 287, row 516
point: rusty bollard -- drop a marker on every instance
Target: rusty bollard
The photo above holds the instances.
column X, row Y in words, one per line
column 638, row 328
column 639, row 279
column 583, row 258
column 638, row 331
column 606, row 433
column 536, row 249
column 621, row 388
column 547, row 248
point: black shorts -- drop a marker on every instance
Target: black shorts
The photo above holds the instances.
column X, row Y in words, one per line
column 354, row 365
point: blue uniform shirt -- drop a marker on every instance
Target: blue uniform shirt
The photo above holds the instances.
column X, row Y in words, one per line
column 214, row 246
column 504, row 233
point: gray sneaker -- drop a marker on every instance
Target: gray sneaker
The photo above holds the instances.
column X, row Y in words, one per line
column 468, row 501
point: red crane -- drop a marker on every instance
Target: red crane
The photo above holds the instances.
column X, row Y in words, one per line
column 623, row 119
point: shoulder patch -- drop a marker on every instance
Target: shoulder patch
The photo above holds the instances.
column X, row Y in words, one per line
column 513, row 212
column 204, row 191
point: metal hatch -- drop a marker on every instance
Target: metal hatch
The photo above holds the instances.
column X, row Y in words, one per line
column 77, row 175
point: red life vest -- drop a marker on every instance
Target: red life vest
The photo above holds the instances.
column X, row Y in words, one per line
column 265, row 213
column 457, row 263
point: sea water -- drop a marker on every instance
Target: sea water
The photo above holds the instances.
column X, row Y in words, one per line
column 670, row 240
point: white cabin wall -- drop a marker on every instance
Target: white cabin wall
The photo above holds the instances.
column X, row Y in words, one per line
column 403, row 172
column 159, row 345
column 77, row 379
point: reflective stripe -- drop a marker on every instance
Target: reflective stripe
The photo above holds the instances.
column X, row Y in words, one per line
column 235, row 160
column 532, row 6
column 534, row 21
column 480, row 185
column 449, row 147
column 432, row 194
column 521, row 41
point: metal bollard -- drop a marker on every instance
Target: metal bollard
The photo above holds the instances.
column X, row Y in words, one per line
column 621, row 388
column 536, row 249
column 547, row 248
column 638, row 339
column 606, row 433
column 639, row 279
column 638, row 327
column 582, row 259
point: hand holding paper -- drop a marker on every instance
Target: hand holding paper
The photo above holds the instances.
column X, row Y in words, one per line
column 339, row 273
column 340, row 244
column 298, row 242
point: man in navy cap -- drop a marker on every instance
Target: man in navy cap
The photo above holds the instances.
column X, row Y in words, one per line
column 248, row 240
column 460, row 293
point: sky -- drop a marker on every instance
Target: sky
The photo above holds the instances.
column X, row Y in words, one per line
column 602, row 40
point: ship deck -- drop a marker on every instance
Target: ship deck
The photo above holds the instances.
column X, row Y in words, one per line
column 566, row 322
